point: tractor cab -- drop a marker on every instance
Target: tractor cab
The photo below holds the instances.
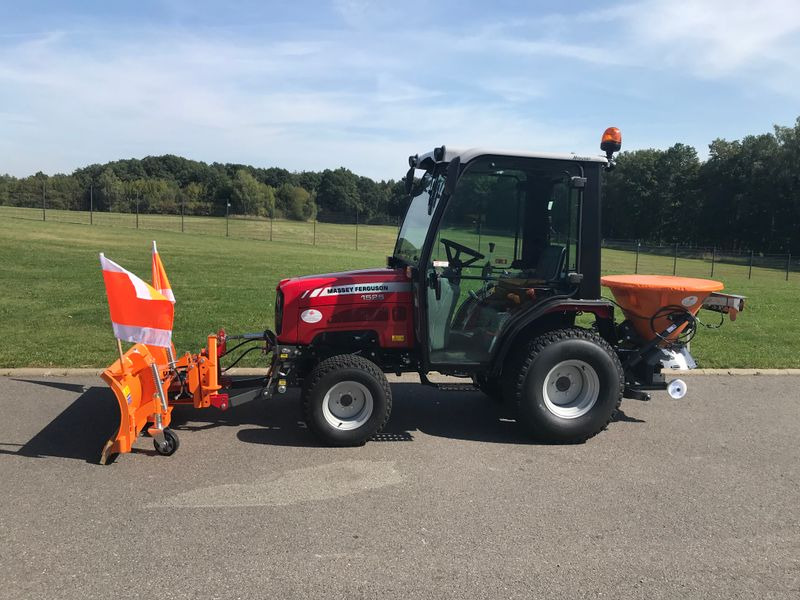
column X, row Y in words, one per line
column 490, row 236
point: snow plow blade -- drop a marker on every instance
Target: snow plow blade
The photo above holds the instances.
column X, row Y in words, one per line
column 138, row 395
column 147, row 382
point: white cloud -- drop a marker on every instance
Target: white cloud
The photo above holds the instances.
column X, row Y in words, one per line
column 289, row 103
column 371, row 13
column 554, row 48
column 715, row 38
column 367, row 92
column 514, row 89
column 710, row 39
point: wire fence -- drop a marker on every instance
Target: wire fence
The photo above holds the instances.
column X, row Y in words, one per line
column 698, row 261
column 337, row 230
column 378, row 234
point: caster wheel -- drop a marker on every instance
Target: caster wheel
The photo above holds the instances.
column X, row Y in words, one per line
column 170, row 445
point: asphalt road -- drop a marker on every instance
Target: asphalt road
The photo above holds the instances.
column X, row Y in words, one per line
column 697, row 498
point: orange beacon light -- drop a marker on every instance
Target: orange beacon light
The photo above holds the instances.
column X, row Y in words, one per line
column 611, row 141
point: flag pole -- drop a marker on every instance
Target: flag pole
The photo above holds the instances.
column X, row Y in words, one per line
column 121, row 358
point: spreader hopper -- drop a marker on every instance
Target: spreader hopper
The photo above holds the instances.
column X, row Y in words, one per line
column 648, row 300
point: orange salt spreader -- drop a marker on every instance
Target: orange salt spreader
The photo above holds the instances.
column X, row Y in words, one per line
column 660, row 313
column 648, row 299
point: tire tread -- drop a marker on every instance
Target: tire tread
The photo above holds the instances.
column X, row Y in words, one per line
column 538, row 344
column 337, row 363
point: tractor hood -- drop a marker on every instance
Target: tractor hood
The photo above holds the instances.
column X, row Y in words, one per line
column 376, row 300
column 348, row 287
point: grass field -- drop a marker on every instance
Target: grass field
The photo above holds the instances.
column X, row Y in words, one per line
column 334, row 235
column 53, row 309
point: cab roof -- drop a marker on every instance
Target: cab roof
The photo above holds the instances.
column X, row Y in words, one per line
column 467, row 154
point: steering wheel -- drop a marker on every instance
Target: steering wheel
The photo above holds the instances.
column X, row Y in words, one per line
column 454, row 251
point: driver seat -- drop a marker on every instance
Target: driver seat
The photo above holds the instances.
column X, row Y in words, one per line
column 550, row 262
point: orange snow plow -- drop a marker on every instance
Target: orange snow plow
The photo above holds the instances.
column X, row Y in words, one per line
column 147, row 381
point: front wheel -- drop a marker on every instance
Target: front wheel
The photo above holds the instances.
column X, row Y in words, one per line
column 568, row 385
column 346, row 400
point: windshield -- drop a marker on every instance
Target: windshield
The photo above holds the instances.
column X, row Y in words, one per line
column 418, row 217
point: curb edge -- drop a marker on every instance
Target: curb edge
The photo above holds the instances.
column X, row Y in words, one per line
column 92, row 371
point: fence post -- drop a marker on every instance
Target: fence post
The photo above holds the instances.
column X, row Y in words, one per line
column 713, row 258
column 675, row 260
column 788, row 263
column 750, row 268
column 137, row 212
column 44, row 201
column 227, row 212
column 356, row 229
column 315, row 232
column 183, row 209
column 638, row 247
column 271, row 221
column 91, row 205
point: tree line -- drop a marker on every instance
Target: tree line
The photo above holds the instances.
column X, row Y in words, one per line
column 171, row 184
column 745, row 196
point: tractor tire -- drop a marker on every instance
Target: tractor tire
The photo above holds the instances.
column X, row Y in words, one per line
column 567, row 385
column 346, row 400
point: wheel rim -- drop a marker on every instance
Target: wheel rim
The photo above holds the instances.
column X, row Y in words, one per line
column 571, row 389
column 347, row 405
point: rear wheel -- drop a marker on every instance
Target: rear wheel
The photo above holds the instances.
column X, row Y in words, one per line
column 346, row 400
column 568, row 385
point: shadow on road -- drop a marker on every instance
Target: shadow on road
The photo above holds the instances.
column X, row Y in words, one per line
column 463, row 416
column 81, row 430
column 59, row 385
column 621, row 417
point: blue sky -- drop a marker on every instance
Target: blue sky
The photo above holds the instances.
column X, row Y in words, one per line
column 363, row 84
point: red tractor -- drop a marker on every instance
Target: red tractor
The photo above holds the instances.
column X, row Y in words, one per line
column 497, row 258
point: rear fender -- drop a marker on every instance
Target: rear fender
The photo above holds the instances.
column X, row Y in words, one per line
column 546, row 316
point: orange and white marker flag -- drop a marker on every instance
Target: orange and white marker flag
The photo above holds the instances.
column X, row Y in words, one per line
column 160, row 281
column 139, row 312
